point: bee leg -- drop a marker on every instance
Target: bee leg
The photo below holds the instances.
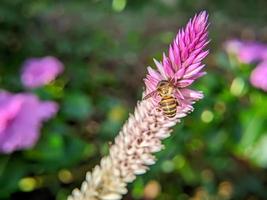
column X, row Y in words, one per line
column 158, row 109
column 178, row 103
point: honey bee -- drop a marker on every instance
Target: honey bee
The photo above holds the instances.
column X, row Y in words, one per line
column 168, row 103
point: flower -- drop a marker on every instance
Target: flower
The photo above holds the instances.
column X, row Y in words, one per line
column 130, row 155
column 183, row 64
column 37, row 72
column 258, row 76
column 233, row 46
column 140, row 137
column 249, row 52
column 21, row 117
column 246, row 52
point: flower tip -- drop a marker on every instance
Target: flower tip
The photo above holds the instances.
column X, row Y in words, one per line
column 202, row 17
column 155, row 61
column 203, row 14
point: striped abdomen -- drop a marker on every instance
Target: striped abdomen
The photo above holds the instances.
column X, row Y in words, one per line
column 168, row 105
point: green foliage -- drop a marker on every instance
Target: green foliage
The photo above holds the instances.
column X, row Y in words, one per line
column 217, row 152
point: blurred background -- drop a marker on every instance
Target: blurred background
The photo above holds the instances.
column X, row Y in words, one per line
column 218, row 152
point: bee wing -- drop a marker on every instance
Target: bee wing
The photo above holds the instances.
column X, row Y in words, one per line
column 150, row 94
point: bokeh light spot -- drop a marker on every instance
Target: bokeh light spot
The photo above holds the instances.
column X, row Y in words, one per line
column 207, row 116
column 27, row 184
column 65, row 176
column 179, row 161
column 167, row 166
column 119, row 5
column 225, row 189
column 237, row 87
column 117, row 113
column 200, row 194
column 152, row 190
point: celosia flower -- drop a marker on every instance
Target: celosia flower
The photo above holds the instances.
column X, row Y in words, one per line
column 183, row 64
column 258, row 76
column 246, row 52
column 141, row 135
column 37, row 72
column 21, row 117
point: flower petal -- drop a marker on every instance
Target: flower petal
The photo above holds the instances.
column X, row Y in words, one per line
column 160, row 68
column 193, row 72
column 154, row 73
column 167, row 67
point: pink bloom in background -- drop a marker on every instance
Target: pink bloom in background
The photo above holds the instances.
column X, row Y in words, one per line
column 258, row 77
column 37, row 72
column 249, row 52
column 21, row 117
column 183, row 64
column 246, row 52
column 233, row 46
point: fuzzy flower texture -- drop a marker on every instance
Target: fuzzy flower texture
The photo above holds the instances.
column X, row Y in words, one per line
column 140, row 137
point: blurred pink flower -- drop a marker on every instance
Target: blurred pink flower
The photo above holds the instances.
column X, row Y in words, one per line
column 37, row 72
column 246, row 52
column 258, row 76
column 249, row 52
column 21, row 117
column 183, row 64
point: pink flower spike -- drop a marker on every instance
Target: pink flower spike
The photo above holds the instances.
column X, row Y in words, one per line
column 140, row 137
column 183, row 65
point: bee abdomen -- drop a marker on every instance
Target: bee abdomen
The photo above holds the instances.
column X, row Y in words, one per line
column 168, row 105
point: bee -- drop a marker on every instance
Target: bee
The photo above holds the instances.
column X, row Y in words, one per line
column 168, row 103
